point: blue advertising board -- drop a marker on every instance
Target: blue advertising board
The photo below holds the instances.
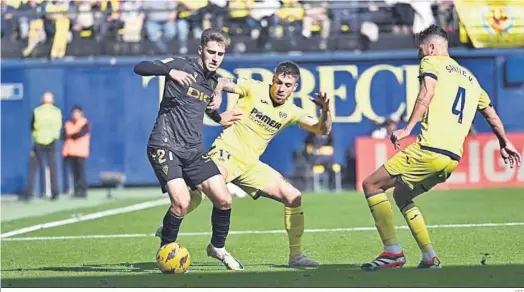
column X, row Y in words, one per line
column 122, row 106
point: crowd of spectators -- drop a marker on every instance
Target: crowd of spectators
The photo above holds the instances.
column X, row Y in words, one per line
column 172, row 26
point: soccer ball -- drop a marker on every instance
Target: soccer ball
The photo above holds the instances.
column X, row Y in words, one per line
column 173, row 258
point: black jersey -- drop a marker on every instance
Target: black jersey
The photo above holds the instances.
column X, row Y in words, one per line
column 181, row 115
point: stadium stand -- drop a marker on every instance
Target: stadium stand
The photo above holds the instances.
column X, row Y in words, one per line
column 63, row 28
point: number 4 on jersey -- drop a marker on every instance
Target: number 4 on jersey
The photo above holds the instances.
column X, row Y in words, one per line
column 460, row 100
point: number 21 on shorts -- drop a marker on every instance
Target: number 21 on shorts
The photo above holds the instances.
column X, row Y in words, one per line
column 458, row 104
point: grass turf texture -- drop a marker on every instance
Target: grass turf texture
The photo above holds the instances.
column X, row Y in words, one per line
column 130, row 262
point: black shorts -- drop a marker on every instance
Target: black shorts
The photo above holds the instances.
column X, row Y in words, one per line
column 194, row 166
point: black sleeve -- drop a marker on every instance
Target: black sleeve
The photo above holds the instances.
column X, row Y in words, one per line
column 84, row 131
column 159, row 68
column 215, row 116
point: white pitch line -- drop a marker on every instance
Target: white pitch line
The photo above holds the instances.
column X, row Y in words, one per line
column 131, row 208
column 243, row 232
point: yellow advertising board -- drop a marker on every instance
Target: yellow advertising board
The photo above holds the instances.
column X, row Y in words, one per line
column 492, row 23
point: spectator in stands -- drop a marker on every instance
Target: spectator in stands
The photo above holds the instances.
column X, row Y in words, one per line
column 30, row 13
column 193, row 12
column 317, row 13
column 289, row 20
column 84, row 18
column 215, row 13
column 133, row 18
column 54, row 10
column 240, row 12
column 109, row 22
column 8, row 21
column 423, row 17
column 403, row 15
column 161, row 26
column 265, row 15
column 76, row 149
column 45, row 125
column 445, row 14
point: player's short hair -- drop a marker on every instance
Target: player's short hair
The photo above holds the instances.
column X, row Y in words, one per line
column 76, row 107
column 215, row 35
column 288, row 68
column 431, row 31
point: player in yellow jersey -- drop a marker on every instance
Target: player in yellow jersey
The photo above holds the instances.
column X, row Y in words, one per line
column 448, row 99
column 267, row 110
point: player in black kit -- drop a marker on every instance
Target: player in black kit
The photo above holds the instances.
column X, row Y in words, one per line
column 175, row 148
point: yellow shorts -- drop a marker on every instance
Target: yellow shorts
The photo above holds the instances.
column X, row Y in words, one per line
column 250, row 177
column 416, row 167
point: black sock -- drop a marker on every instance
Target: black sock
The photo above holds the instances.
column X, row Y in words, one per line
column 220, row 220
column 171, row 225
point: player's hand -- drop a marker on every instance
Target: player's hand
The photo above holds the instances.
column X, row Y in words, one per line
column 230, row 117
column 182, row 77
column 510, row 155
column 398, row 135
column 322, row 101
column 216, row 101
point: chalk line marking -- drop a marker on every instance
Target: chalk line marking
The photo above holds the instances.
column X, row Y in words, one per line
column 244, row 232
column 92, row 216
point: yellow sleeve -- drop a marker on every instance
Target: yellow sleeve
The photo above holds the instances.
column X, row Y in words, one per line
column 298, row 114
column 244, row 87
column 428, row 69
column 484, row 101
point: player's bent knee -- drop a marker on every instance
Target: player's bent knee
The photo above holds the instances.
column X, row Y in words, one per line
column 223, row 203
column 180, row 207
column 292, row 198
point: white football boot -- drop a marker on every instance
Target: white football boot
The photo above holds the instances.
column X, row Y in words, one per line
column 302, row 261
column 225, row 257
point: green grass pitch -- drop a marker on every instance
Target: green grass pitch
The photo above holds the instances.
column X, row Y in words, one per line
column 130, row 262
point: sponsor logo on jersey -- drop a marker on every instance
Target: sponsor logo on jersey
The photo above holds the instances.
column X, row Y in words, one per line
column 264, row 120
column 191, row 91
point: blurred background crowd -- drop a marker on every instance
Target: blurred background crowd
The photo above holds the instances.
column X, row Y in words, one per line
column 58, row 28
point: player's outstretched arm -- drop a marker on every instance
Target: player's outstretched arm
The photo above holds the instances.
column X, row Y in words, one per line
column 152, row 68
column 228, row 85
column 425, row 95
column 508, row 152
column 319, row 126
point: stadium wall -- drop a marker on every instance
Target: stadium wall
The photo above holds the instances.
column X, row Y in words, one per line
column 122, row 106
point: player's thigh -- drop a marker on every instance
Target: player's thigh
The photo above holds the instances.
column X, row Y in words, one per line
column 230, row 167
column 377, row 182
column 420, row 170
column 204, row 174
column 262, row 180
column 168, row 170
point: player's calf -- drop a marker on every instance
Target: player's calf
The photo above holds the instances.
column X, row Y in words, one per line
column 180, row 199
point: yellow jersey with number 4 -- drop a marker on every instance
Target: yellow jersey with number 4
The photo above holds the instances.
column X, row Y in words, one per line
column 458, row 95
column 248, row 138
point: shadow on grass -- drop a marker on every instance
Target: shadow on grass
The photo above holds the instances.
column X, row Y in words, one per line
column 146, row 275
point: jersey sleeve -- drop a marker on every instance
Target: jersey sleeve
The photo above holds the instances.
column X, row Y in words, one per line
column 427, row 68
column 245, row 86
column 484, row 101
column 298, row 114
column 176, row 63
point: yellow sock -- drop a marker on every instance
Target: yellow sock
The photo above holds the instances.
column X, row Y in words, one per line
column 418, row 227
column 294, row 222
column 383, row 214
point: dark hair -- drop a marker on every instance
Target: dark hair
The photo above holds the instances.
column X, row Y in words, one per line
column 76, row 107
column 431, row 31
column 288, row 68
column 215, row 35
